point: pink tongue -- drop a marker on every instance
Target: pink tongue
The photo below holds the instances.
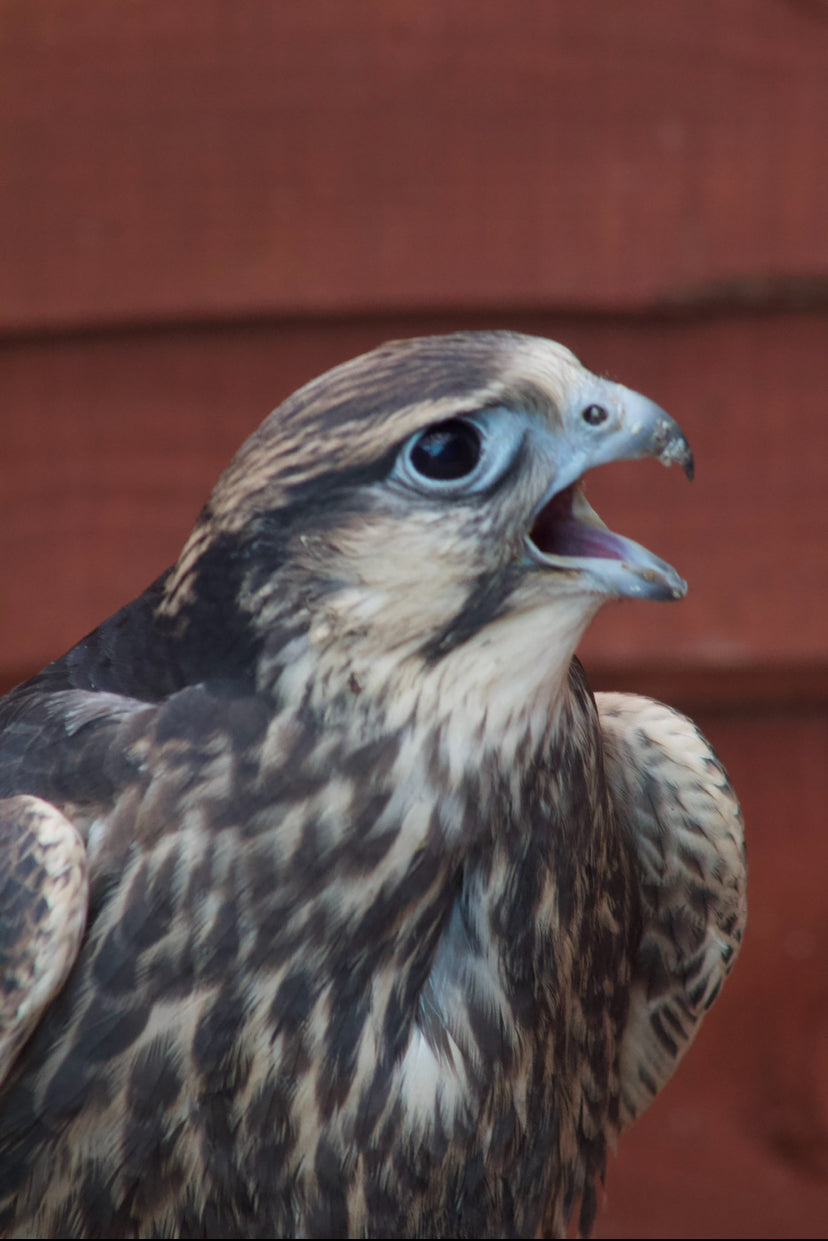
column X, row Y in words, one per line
column 568, row 537
column 557, row 533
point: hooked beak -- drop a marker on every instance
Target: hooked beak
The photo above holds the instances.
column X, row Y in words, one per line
column 568, row 536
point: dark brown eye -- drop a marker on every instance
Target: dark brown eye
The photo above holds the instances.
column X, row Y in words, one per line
column 594, row 415
column 447, row 451
column 460, row 456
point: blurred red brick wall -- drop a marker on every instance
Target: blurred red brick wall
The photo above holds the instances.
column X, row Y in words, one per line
column 203, row 205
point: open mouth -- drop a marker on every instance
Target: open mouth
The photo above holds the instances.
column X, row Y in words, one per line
column 567, row 535
column 558, row 532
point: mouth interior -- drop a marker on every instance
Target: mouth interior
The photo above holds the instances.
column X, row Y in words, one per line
column 556, row 531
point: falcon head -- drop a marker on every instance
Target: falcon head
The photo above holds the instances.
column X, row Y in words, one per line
column 422, row 501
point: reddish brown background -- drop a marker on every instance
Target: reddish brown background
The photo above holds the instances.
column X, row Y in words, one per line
column 203, row 204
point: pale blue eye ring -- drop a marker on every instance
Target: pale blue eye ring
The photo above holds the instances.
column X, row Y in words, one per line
column 461, row 456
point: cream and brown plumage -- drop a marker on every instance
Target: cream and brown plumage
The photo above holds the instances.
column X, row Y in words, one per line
column 389, row 929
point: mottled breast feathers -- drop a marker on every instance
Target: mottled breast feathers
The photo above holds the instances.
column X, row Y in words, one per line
column 332, row 902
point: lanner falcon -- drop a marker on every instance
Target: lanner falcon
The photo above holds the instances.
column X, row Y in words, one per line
column 333, row 902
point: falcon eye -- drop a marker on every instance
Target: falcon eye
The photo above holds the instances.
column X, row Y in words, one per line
column 446, row 452
column 594, row 415
column 461, row 456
